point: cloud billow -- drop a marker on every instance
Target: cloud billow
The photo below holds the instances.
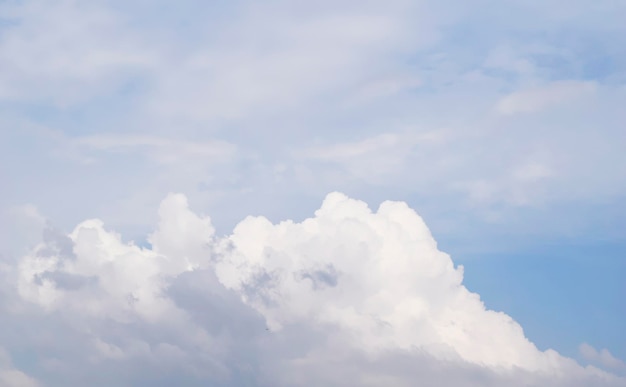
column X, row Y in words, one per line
column 347, row 297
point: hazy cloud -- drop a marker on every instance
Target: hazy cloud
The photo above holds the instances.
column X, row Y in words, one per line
column 537, row 99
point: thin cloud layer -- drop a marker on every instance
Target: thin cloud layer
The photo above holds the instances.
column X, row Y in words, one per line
column 259, row 104
column 346, row 297
column 537, row 99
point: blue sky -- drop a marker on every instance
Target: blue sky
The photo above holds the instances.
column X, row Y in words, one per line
column 501, row 123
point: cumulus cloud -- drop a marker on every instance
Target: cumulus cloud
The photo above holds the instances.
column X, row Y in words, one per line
column 349, row 296
column 603, row 357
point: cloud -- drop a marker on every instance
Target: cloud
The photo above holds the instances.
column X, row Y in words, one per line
column 540, row 98
column 254, row 108
column 280, row 59
column 11, row 377
column 384, row 88
column 378, row 159
column 603, row 358
column 349, row 296
column 163, row 150
column 66, row 54
column 333, row 92
column 21, row 227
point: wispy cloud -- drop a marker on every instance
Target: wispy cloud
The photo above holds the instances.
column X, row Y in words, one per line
column 163, row 150
column 66, row 54
column 540, row 98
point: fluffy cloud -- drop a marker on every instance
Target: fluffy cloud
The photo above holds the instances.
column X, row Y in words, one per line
column 602, row 358
column 347, row 297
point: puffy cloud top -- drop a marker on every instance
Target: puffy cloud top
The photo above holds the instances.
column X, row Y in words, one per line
column 345, row 293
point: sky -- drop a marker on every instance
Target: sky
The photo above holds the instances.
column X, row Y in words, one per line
column 311, row 193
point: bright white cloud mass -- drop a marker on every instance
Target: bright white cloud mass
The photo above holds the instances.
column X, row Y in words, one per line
column 500, row 122
column 348, row 297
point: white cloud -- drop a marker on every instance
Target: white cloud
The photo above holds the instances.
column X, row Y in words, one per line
column 602, row 358
column 349, row 293
column 390, row 287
